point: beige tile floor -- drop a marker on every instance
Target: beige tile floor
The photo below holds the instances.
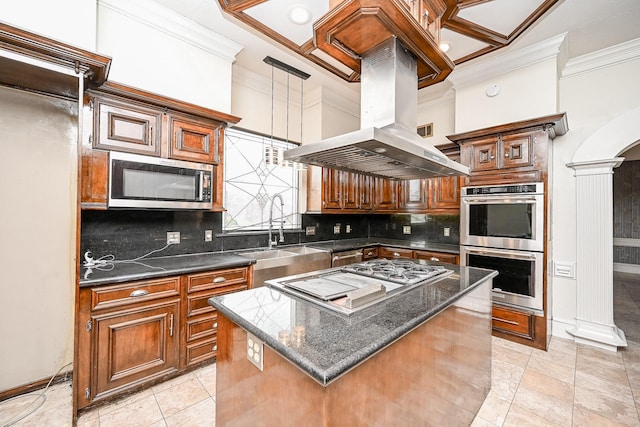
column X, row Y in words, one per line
column 569, row 385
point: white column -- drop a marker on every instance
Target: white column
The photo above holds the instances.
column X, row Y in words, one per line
column 594, row 293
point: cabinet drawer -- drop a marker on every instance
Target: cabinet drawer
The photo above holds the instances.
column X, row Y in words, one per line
column 369, row 253
column 515, row 322
column 395, row 253
column 202, row 327
column 436, row 256
column 197, row 303
column 217, row 279
column 110, row 296
column 202, row 350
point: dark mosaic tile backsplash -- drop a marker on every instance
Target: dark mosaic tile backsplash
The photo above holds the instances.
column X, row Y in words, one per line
column 626, row 210
column 128, row 234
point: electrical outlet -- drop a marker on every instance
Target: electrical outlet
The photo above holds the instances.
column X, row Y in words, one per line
column 347, row 228
column 255, row 351
column 173, row 237
column 336, row 229
column 447, row 231
column 208, row 235
column 406, row 229
column 310, row 231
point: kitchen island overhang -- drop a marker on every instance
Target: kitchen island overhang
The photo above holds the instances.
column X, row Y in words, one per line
column 421, row 357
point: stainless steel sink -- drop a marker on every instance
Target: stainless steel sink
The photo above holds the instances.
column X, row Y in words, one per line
column 276, row 263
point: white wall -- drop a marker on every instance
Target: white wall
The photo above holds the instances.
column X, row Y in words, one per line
column 157, row 50
column 591, row 99
column 38, row 189
column 69, row 21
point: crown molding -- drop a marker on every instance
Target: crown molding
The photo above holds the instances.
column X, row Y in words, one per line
column 164, row 20
column 490, row 66
column 623, row 52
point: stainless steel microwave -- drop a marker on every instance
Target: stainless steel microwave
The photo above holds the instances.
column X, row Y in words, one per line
column 150, row 182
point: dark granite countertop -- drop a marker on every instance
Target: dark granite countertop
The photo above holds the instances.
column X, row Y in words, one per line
column 158, row 267
column 336, row 342
column 348, row 244
column 148, row 268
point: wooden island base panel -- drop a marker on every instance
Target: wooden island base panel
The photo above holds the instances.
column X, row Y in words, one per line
column 438, row 374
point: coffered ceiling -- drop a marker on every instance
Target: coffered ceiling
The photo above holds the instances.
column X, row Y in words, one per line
column 337, row 33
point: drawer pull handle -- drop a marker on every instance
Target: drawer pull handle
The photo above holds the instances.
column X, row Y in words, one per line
column 139, row 293
column 215, row 325
column 435, row 259
column 396, row 254
column 220, row 279
column 511, row 322
column 214, row 348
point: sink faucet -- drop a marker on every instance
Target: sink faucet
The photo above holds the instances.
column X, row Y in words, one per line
column 281, row 231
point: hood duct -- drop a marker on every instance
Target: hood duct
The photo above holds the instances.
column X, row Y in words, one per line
column 387, row 144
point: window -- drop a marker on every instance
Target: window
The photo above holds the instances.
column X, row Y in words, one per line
column 250, row 182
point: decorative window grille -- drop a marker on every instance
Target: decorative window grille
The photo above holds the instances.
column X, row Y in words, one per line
column 254, row 172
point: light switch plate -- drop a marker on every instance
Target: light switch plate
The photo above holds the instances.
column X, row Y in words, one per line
column 255, row 351
column 447, row 231
column 208, row 235
column 336, row 229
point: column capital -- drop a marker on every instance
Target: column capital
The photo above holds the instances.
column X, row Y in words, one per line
column 596, row 167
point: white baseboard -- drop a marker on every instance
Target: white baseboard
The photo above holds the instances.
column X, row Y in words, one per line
column 560, row 326
column 626, row 268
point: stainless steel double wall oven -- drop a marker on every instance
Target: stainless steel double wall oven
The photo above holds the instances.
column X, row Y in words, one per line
column 502, row 228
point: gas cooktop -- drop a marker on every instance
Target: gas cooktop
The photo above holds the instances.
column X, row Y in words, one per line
column 355, row 286
column 405, row 272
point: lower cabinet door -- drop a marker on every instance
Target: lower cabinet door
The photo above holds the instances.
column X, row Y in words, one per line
column 133, row 347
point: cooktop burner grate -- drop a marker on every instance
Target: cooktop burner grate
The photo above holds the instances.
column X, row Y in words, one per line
column 398, row 271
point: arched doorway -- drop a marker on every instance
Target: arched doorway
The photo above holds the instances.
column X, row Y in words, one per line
column 626, row 245
column 593, row 163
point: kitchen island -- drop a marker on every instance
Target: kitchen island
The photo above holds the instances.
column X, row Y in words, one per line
column 421, row 357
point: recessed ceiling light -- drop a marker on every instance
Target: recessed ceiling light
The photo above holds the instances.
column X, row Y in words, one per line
column 444, row 46
column 299, row 14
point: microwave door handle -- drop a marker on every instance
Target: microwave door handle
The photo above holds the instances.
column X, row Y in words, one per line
column 524, row 256
column 200, row 196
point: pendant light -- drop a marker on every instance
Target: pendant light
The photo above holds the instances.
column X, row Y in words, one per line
column 273, row 154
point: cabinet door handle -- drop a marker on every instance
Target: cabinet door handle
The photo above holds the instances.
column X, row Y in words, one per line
column 220, row 279
column 215, row 325
column 139, row 293
column 511, row 322
column 171, row 325
column 214, row 348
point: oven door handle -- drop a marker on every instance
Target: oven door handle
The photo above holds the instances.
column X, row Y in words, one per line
column 513, row 255
column 501, row 200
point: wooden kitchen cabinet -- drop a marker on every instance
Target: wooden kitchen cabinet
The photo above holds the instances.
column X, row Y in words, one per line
column 437, row 256
column 128, row 335
column 390, row 253
column 200, row 326
column 386, row 194
column 414, row 195
column 369, row 253
column 123, row 118
column 511, row 153
column 194, row 140
column 134, row 334
column 513, row 322
column 126, row 127
column 343, row 190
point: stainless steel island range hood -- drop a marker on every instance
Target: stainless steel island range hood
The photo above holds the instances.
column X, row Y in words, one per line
column 387, row 144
